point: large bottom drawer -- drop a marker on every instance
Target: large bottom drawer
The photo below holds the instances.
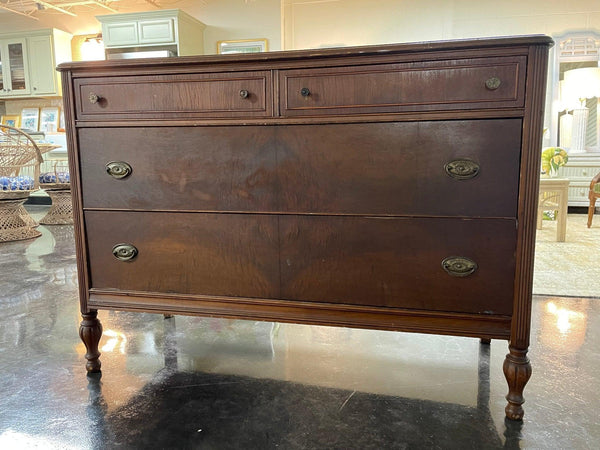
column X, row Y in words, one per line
column 185, row 253
column 397, row 262
column 369, row 261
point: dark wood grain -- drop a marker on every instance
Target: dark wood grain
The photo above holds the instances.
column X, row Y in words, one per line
column 185, row 168
column 185, row 253
column 409, row 51
column 330, row 208
column 294, row 311
column 397, row 262
column 339, row 169
column 212, row 95
column 398, row 168
column 454, row 84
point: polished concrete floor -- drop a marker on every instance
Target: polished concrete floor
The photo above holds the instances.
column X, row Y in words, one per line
column 191, row 382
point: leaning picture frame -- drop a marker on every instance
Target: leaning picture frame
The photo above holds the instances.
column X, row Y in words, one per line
column 11, row 121
column 30, row 119
column 49, row 119
column 242, row 46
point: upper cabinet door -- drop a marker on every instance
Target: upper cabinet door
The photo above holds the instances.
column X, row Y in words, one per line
column 156, row 31
column 15, row 70
column 120, row 34
column 42, row 73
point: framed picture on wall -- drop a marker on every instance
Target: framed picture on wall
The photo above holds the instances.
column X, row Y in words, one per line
column 61, row 121
column 30, row 119
column 242, row 46
column 49, row 119
column 11, row 121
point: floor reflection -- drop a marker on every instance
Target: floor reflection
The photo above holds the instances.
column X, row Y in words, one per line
column 248, row 384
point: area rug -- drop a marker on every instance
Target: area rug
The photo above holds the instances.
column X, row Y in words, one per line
column 569, row 268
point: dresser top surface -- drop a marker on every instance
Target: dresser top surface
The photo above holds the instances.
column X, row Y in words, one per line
column 327, row 53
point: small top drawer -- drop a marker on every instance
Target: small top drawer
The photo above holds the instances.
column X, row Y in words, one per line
column 210, row 95
column 480, row 83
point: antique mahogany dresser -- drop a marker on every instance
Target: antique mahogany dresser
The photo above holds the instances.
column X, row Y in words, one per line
column 391, row 187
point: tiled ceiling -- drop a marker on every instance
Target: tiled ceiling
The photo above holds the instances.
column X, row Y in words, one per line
column 36, row 9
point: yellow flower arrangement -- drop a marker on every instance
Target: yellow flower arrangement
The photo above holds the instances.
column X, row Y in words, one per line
column 553, row 158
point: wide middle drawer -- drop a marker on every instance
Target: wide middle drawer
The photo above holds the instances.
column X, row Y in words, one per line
column 380, row 169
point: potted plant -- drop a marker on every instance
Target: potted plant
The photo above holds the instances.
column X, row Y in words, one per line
column 552, row 159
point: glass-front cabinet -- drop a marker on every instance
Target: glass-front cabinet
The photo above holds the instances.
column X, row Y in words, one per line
column 28, row 62
column 14, row 64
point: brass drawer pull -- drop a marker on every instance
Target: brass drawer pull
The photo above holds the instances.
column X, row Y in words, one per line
column 244, row 93
column 118, row 169
column 94, row 98
column 305, row 92
column 493, row 83
column 125, row 252
column 462, row 169
column 459, row 266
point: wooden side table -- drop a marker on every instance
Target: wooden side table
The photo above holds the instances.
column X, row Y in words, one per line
column 554, row 194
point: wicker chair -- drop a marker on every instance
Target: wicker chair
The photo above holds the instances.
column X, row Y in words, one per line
column 20, row 160
column 593, row 195
column 57, row 185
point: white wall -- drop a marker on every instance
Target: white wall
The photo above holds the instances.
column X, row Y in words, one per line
column 320, row 23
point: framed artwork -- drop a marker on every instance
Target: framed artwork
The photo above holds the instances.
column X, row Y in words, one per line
column 11, row 121
column 242, row 46
column 30, row 118
column 49, row 119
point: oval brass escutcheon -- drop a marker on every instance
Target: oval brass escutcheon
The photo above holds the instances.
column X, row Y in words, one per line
column 118, row 169
column 462, row 169
column 459, row 266
column 493, row 83
column 124, row 252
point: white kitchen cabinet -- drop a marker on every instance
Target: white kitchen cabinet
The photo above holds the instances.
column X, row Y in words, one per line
column 29, row 63
column 14, row 64
column 170, row 29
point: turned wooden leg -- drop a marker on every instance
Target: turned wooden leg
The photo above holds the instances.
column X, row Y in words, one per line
column 517, row 371
column 90, row 333
column 591, row 211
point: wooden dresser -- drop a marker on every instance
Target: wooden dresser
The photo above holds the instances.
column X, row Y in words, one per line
column 391, row 187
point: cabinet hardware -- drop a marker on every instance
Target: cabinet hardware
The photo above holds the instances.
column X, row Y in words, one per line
column 493, row 83
column 459, row 266
column 305, row 92
column 462, row 169
column 118, row 169
column 125, row 252
column 94, row 98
